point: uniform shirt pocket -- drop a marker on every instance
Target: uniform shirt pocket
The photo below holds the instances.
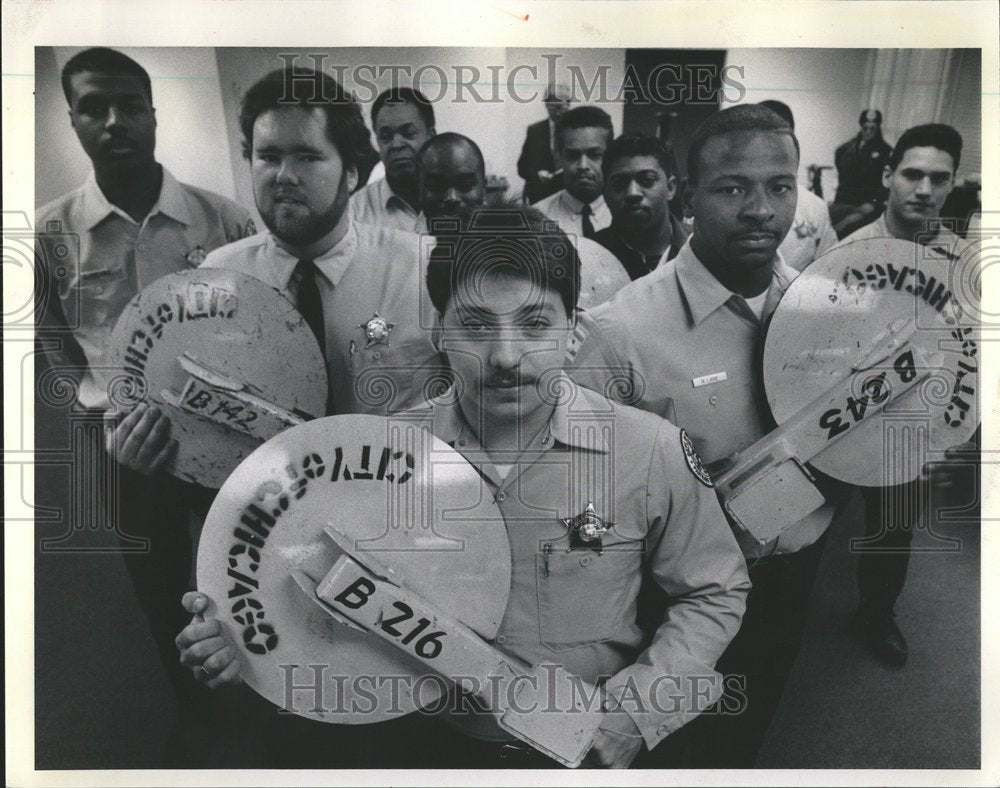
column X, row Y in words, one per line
column 100, row 296
column 583, row 594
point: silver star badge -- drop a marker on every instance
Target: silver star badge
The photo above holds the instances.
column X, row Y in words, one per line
column 587, row 527
column 377, row 330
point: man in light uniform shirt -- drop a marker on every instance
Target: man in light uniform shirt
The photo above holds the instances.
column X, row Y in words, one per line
column 129, row 224
column 403, row 120
column 359, row 287
column 549, row 452
column 372, row 316
column 582, row 136
column 920, row 175
column 683, row 342
column 133, row 221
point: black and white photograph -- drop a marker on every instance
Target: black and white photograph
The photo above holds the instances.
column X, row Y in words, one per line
column 482, row 391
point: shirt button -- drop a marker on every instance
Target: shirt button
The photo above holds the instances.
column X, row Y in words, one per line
column 661, row 731
column 376, row 355
column 461, row 443
column 501, row 497
column 713, row 400
column 501, row 639
column 585, row 561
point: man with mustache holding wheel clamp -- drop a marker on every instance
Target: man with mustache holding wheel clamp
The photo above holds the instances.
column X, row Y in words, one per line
column 597, row 501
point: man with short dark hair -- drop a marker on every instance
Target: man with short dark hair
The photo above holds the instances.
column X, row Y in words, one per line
column 135, row 222
column 712, row 303
column 812, row 233
column 537, row 162
column 452, row 177
column 919, row 176
column 639, row 183
column 358, row 286
column 505, row 311
column 403, row 120
column 582, row 136
column 129, row 224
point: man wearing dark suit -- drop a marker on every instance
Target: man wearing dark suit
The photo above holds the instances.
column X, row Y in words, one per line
column 537, row 161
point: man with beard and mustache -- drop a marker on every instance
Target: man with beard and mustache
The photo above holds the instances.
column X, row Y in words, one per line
column 683, row 342
column 403, row 120
column 919, row 175
column 358, row 286
column 129, row 224
column 582, row 137
column 453, row 186
column 639, row 183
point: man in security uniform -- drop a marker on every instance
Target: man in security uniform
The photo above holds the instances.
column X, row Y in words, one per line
column 919, row 176
column 598, row 499
column 683, row 342
column 860, row 161
column 129, row 224
column 358, row 286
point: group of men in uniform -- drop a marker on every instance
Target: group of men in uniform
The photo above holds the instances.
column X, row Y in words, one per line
column 350, row 259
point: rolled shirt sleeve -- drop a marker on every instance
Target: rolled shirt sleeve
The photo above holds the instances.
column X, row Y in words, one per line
column 695, row 559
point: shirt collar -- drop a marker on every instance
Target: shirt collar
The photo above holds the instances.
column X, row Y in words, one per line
column 170, row 202
column 332, row 264
column 576, row 206
column 389, row 199
column 704, row 293
column 576, row 419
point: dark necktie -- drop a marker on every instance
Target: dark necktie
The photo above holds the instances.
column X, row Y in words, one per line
column 588, row 226
column 310, row 306
column 308, row 301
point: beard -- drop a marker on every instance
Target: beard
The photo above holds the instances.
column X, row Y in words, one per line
column 298, row 223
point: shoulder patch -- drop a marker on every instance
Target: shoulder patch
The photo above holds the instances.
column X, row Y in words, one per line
column 694, row 461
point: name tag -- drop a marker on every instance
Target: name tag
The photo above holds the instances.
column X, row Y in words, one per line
column 704, row 380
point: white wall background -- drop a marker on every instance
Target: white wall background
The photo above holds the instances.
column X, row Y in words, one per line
column 520, row 116
column 498, row 127
column 190, row 131
column 196, row 92
column 825, row 89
